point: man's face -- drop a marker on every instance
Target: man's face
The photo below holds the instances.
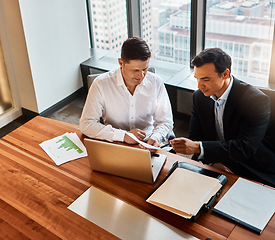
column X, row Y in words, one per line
column 134, row 71
column 209, row 81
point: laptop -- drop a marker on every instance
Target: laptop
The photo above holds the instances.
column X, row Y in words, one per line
column 124, row 161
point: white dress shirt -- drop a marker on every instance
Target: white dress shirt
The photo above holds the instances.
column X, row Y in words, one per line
column 148, row 109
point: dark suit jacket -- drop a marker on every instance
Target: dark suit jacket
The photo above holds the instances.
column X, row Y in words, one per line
column 247, row 149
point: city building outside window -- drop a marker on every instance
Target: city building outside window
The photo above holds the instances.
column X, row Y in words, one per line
column 244, row 29
column 166, row 27
column 109, row 24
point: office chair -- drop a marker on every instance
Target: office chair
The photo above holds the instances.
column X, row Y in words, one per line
column 271, row 127
column 91, row 78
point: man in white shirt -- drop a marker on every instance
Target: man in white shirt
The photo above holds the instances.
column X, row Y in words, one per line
column 128, row 99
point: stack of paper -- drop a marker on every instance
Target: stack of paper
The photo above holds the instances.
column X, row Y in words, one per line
column 64, row 148
column 184, row 192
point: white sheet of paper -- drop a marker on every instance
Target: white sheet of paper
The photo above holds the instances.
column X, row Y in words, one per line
column 248, row 202
column 131, row 135
column 64, row 148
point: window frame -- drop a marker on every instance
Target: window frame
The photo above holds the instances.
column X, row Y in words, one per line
column 198, row 21
column 134, row 9
column 271, row 80
column 90, row 25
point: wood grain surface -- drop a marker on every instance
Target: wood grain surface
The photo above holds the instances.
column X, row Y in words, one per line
column 35, row 192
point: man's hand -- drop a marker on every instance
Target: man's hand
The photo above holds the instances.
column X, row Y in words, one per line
column 185, row 146
column 138, row 133
column 152, row 141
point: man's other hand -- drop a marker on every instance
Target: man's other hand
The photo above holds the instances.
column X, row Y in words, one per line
column 185, row 146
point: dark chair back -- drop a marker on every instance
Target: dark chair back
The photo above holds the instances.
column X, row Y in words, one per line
column 271, row 128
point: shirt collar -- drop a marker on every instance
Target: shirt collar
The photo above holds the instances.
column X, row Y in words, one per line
column 119, row 78
column 225, row 94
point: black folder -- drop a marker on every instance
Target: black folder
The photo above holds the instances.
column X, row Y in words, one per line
column 261, row 200
column 222, row 179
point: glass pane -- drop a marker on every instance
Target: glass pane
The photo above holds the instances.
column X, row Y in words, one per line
column 243, row 29
column 5, row 91
column 166, row 28
column 109, row 23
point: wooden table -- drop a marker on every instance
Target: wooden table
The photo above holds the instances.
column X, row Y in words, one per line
column 35, row 193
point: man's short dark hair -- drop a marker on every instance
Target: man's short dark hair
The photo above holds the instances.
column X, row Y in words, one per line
column 217, row 56
column 135, row 48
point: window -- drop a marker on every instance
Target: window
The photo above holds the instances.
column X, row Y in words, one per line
column 178, row 29
column 247, row 28
column 109, row 23
column 166, row 28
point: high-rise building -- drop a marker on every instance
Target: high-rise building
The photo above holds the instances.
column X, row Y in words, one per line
column 249, row 8
column 147, row 21
column 247, row 39
column 174, row 39
column 109, row 23
column 109, row 20
column 250, row 52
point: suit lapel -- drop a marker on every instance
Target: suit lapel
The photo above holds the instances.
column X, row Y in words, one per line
column 230, row 106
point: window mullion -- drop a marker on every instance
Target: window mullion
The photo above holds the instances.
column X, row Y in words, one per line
column 134, row 17
column 198, row 13
column 90, row 25
column 271, row 80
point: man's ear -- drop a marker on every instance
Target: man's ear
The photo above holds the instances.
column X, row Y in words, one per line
column 120, row 61
column 226, row 74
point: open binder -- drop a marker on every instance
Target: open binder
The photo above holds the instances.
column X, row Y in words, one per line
column 170, row 193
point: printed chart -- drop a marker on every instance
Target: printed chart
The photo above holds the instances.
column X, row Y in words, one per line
column 64, row 148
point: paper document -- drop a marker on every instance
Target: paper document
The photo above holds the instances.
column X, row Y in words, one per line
column 64, row 148
column 184, row 192
column 248, row 203
column 131, row 135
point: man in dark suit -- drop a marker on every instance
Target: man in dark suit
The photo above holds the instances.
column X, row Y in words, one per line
column 229, row 121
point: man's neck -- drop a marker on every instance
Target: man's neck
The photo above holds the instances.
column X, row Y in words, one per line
column 131, row 89
column 223, row 89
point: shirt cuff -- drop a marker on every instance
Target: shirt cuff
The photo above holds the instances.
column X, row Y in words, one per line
column 201, row 156
column 157, row 136
column 118, row 135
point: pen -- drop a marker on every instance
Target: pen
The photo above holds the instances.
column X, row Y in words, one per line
column 165, row 145
column 168, row 144
column 155, row 154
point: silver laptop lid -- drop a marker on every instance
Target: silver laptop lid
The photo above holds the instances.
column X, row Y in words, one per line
column 121, row 160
